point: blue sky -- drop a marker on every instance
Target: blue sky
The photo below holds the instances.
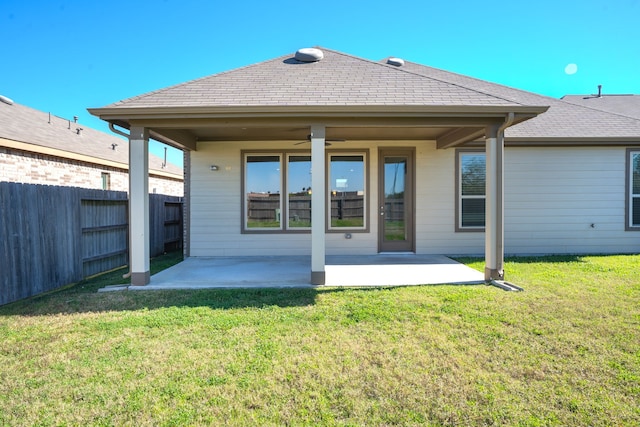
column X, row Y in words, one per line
column 66, row 56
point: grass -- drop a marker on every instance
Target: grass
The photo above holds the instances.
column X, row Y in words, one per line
column 564, row 352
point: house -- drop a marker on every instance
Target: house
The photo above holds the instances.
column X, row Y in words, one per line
column 40, row 148
column 319, row 152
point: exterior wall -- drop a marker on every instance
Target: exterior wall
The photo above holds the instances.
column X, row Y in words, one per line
column 33, row 168
column 552, row 196
column 566, row 200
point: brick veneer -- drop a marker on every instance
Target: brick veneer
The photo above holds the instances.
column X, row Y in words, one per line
column 34, row 168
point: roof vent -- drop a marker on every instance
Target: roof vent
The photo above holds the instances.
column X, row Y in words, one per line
column 398, row 62
column 6, row 100
column 309, row 54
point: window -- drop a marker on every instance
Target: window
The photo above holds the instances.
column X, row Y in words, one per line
column 262, row 190
column 299, row 191
column 277, row 191
column 633, row 190
column 106, row 181
column 347, row 191
column 470, row 188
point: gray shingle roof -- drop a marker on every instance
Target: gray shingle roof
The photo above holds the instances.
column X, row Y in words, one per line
column 344, row 80
column 562, row 120
column 24, row 124
column 625, row 105
column 338, row 79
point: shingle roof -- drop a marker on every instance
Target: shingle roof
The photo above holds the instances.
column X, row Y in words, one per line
column 562, row 120
column 625, row 105
column 27, row 125
column 344, row 80
column 338, row 79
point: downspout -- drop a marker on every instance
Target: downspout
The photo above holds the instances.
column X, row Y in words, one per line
column 500, row 244
column 119, row 132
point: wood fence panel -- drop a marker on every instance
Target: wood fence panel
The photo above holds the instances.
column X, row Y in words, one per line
column 51, row 236
column 156, row 224
column 104, row 225
column 40, row 226
column 173, row 224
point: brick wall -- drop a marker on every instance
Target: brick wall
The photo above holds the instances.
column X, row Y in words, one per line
column 33, row 168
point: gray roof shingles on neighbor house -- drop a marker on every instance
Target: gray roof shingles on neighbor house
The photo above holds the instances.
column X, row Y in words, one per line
column 29, row 126
column 340, row 79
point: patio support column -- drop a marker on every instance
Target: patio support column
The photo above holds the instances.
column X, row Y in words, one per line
column 318, row 204
column 494, row 209
column 139, row 206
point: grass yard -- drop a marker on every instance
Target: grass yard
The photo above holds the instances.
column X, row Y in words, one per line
column 564, row 352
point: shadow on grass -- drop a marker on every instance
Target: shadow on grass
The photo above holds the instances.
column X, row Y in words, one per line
column 71, row 301
column 530, row 259
column 83, row 297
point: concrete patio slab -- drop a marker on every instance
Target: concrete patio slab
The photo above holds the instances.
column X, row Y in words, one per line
column 295, row 271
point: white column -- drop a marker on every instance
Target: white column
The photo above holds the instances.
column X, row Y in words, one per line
column 494, row 209
column 139, row 206
column 318, row 205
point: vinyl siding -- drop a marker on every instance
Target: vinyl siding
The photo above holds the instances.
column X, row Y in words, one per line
column 552, row 196
column 566, row 200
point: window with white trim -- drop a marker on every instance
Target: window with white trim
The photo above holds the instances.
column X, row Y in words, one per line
column 471, row 190
column 633, row 190
column 106, row 180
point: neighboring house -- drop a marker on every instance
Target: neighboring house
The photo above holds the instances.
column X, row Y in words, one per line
column 40, row 148
column 405, row 158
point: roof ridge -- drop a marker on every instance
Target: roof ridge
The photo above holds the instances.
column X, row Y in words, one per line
column 481, row 81
column 546, row 97
column 392, row 67
column 164, row 89
column 445, row 81
column 599, row 110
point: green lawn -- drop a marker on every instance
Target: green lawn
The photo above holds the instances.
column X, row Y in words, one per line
column 564, row 352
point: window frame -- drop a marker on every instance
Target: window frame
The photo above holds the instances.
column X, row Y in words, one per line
column 367, row 198
column 244, row 217
column 105, row 178
column 458, row 192
column 284, row 156
column 629, row 196
column 287, row 156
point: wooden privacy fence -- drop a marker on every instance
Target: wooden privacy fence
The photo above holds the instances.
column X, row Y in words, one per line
column 51, row 236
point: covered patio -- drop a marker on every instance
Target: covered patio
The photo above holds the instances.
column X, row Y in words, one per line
column 380, row 112
column 293, row 272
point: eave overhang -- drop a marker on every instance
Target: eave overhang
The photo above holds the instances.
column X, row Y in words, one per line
column 183, row 127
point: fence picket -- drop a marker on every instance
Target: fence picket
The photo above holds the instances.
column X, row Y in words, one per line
column 51, row 236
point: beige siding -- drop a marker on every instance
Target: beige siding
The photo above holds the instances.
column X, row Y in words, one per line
column 566, row 200
column 552, row 196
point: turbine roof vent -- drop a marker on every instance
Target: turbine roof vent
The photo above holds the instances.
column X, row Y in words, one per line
column 398, row 62
column 6, row 100
column 309, row 54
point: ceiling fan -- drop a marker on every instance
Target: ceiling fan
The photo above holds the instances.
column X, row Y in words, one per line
column 327, row 142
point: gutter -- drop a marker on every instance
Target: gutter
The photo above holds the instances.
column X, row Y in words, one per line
column 119, row 132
